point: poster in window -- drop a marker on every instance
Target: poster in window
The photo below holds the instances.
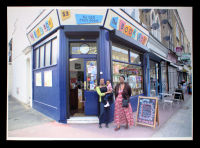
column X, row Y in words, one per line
column 48, row 78
column 38, row 79
column 93, row 70
column 132, row 81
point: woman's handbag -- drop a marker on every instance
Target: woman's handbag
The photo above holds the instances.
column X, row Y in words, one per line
column 125, row 102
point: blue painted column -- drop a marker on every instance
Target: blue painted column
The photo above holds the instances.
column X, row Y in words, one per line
column 62, row 63
column 104, row 51
column 105, row 62
column 146, row 74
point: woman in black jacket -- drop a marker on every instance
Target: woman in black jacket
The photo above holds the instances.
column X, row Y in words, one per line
column 122, row 115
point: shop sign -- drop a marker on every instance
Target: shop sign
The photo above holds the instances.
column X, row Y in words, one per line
column 88, row 18
column 185, row 56
column 114, row 21
column 65, row 14
column 44, row 27
column 178, row 49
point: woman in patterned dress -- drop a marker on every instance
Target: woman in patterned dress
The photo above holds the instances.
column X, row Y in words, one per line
column 122, row 115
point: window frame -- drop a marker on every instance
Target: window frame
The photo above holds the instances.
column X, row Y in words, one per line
column 43, row 56
column 49, row 54
column 129, row 63
column 83, row 42
column 37, row 47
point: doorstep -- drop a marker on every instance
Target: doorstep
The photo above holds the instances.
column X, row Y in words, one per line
column 83, row 120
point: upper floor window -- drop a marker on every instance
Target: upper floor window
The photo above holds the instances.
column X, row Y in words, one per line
column 182, row 38
column 134, row 13
column 177, row 31
column 155, row 19
column 158, row 32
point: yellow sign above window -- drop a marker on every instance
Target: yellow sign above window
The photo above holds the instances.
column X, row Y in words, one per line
column 65, row 14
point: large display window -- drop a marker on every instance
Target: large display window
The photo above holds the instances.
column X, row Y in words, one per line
column 133, row 72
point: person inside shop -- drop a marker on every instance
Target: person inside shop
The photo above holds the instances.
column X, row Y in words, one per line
column 122, row 115
column 108, row 97
column 104, row 111
column 180, row 90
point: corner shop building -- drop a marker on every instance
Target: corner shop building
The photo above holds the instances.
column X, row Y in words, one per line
column 73, row 48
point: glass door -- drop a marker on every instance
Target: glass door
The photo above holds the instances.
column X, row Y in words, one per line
column 90, row 83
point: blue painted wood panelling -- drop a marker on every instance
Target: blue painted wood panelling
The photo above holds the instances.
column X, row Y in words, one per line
column 91, row 103
column 46, row 99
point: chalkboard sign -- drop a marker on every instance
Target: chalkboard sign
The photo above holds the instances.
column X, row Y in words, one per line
column 147, row 111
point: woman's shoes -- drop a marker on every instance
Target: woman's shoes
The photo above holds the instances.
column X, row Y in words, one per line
column 126, row 127
column 106, row 125
column 100, row 126
column 117, row 128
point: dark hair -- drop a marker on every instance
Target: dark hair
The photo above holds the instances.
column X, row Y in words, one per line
column 122, row 77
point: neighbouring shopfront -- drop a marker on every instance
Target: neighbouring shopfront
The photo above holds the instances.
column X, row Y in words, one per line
column 158, row 67
column 73, row 49
column 172, row 72
column 154, row 79
column 164, row 74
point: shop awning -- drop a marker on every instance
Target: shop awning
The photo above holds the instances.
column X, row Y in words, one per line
column 172, row 64
column 159, row 56
column 180, row 68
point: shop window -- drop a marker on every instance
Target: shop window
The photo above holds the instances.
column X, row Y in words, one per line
column 133, row 75
column 83, row 48
column 47, row 54
column 135, row 58
column 42, row 56
column 54, row 52
column 119, row 53
column 37, row 58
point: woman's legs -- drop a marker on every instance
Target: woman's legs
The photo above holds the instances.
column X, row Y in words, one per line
column 101, row 113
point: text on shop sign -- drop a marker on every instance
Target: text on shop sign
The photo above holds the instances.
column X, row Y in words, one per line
column 121, row 25
column 39, row 31
column 88, row 19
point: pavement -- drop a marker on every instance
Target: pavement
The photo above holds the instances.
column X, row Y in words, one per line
column 22, row 116
column 25, row 123
column 180, row 124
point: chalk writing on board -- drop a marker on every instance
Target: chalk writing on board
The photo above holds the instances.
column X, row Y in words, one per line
column 146, row 112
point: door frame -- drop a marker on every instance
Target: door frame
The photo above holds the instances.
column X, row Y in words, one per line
column 85, row 57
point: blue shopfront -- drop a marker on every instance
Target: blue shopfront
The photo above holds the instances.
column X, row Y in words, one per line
column 69, row 59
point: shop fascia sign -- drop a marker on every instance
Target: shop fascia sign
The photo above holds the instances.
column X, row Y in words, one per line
column 81, row 16
column 185, row 56
column 114, row 21
column 45, row 26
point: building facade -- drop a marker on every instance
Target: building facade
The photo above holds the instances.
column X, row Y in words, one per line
column 71, row 49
